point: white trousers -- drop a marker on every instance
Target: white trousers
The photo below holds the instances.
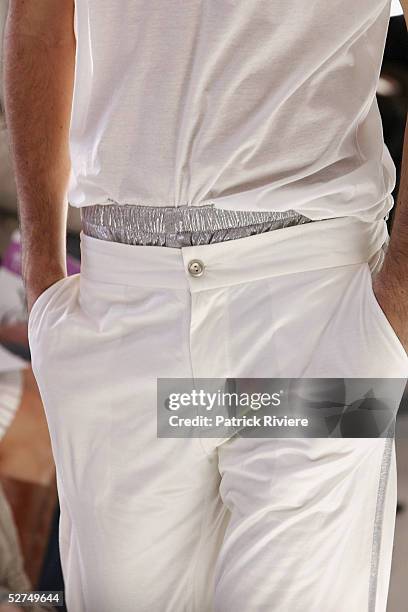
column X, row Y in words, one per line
column 213, row 525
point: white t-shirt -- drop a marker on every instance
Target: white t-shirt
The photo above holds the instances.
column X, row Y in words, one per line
column 247, row 104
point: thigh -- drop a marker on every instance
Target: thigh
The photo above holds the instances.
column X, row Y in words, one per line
column 320, row 323
column 311, row 519
column 137, row 512
column 311, row 525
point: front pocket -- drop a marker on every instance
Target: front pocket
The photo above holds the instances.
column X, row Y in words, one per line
column 381, row 316
column 42, row 300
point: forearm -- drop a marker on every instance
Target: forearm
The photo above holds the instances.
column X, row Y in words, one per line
column 395, row 268
column 38, row 84
column 394, row 272
column 398, row 246
column 391, row 283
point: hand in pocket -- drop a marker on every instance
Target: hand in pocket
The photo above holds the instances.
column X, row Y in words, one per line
column 35, row 289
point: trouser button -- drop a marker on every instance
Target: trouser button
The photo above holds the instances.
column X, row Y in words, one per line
column 196, row 267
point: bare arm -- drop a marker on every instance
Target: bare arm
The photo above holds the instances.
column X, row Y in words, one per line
column 391, row 283
column 39, row 62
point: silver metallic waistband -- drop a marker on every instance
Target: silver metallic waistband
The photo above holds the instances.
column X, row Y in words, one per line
column 179, row 226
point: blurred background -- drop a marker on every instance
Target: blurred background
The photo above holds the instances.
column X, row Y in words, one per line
column 28, row 498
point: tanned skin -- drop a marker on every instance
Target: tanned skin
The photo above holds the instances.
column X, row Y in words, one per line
column 38, row 79
column 391, row 283
column 39, row 64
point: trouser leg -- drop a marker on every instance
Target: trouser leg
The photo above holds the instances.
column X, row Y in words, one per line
column 312, row 520
column 311, row 525
column 141, row 517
